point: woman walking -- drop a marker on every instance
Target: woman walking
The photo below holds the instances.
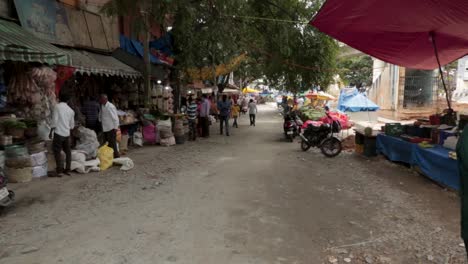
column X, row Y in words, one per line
column 252, row 112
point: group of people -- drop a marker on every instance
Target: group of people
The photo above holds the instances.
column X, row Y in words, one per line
column 102, row 114
column 199, row 111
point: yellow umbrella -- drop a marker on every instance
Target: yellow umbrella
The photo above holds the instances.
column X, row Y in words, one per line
column 249, row 90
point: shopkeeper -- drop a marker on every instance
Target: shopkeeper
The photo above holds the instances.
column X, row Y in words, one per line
column 110, row 123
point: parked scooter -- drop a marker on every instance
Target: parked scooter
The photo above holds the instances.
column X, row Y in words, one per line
column 321, row 135
column 6, row 197
column 292, row 126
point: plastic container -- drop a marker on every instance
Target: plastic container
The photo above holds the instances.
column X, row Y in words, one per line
column 394, row 129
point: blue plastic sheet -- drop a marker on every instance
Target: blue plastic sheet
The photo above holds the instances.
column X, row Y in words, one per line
column 396, row 149
column 351, row 100
column 433, row 162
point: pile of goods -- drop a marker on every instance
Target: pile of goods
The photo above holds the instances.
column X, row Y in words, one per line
column 18, row 164
column 179, row 130
column 165, row 132
column 39, row 160
column 313, row 114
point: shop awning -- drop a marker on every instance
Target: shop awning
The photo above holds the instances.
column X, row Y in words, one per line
column 17, row 44
column 93, row 63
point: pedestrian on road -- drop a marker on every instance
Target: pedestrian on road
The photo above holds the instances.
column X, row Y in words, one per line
column 204, row 116
column 462, row 156
column 90, row 110
column 110, row 123
column 63, row 121
column 192, row 118
column 235, row 110
column 252, row 112
column 224, row 109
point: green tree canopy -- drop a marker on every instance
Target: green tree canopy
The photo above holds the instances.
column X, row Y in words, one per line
column 356, row 71
column 282, row 48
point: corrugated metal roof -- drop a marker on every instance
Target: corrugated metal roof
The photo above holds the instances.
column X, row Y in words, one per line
column 93, row 63
column 17, row 44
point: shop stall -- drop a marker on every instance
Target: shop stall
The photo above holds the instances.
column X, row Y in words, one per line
column 430, row 148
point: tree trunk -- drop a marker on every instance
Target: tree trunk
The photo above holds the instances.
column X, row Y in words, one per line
column 147, row 71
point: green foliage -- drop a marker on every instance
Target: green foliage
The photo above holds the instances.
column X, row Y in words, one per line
column 282, row 48
column 356, row 71
column 13, row 124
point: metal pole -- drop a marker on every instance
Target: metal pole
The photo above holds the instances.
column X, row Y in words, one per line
column 449, row 104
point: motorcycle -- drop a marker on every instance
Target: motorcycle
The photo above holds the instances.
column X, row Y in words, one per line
column 321, row 135
column 6, row 196
column 292, row 126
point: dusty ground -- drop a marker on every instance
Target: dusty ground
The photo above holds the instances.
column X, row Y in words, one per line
column 249, row 198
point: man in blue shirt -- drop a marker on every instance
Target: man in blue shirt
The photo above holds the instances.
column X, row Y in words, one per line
column 224, row 108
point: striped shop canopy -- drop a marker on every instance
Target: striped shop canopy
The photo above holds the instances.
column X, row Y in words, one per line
column 17, row 44
column 99, row 64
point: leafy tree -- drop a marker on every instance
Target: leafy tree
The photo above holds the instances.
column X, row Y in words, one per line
column 281, row 46
column 356, row 71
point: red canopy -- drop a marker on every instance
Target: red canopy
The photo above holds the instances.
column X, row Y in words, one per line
column 399, row 31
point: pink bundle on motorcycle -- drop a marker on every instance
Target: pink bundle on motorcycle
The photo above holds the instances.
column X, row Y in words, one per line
column 337, row 116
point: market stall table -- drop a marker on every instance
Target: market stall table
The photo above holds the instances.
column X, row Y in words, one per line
column 433, row 162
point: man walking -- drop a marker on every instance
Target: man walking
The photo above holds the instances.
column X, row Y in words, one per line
column 204, row 115
column 224, row 108
column 110, row 123
column 252, row 112
column 192, row 118
column 63, row 121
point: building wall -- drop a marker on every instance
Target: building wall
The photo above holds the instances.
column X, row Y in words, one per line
column 462, row 79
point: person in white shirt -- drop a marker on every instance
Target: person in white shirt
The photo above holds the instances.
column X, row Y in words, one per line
column 63, row 121
column 252, row 112
column 110, row 123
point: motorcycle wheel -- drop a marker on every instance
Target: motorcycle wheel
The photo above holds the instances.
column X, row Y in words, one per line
column 305, row 146
column 331, row 147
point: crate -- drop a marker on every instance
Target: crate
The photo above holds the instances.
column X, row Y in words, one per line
column 394, row 129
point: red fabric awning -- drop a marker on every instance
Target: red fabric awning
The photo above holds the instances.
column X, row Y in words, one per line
column 398, row 31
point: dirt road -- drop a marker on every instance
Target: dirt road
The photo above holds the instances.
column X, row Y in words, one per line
column 248, row 198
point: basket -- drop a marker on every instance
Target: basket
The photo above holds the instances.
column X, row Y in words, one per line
column 36, row 147
column 15, row 151
column 19, row 175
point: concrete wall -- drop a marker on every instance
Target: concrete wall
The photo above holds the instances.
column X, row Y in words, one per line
column 462, row 79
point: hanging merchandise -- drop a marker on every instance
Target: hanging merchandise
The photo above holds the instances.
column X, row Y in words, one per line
column 31, row 92
column 63, row 74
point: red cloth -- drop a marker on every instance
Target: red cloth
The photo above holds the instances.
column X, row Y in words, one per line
column 398, row 31
column 63, row 73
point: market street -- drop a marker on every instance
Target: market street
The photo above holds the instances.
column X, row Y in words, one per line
column 248, row 198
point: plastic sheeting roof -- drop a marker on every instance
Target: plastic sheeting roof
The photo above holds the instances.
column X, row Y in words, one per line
column 398, row 31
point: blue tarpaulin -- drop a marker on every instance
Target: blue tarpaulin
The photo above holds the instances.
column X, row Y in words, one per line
column 135, row 48
column 351, row 100
column 433, row 162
